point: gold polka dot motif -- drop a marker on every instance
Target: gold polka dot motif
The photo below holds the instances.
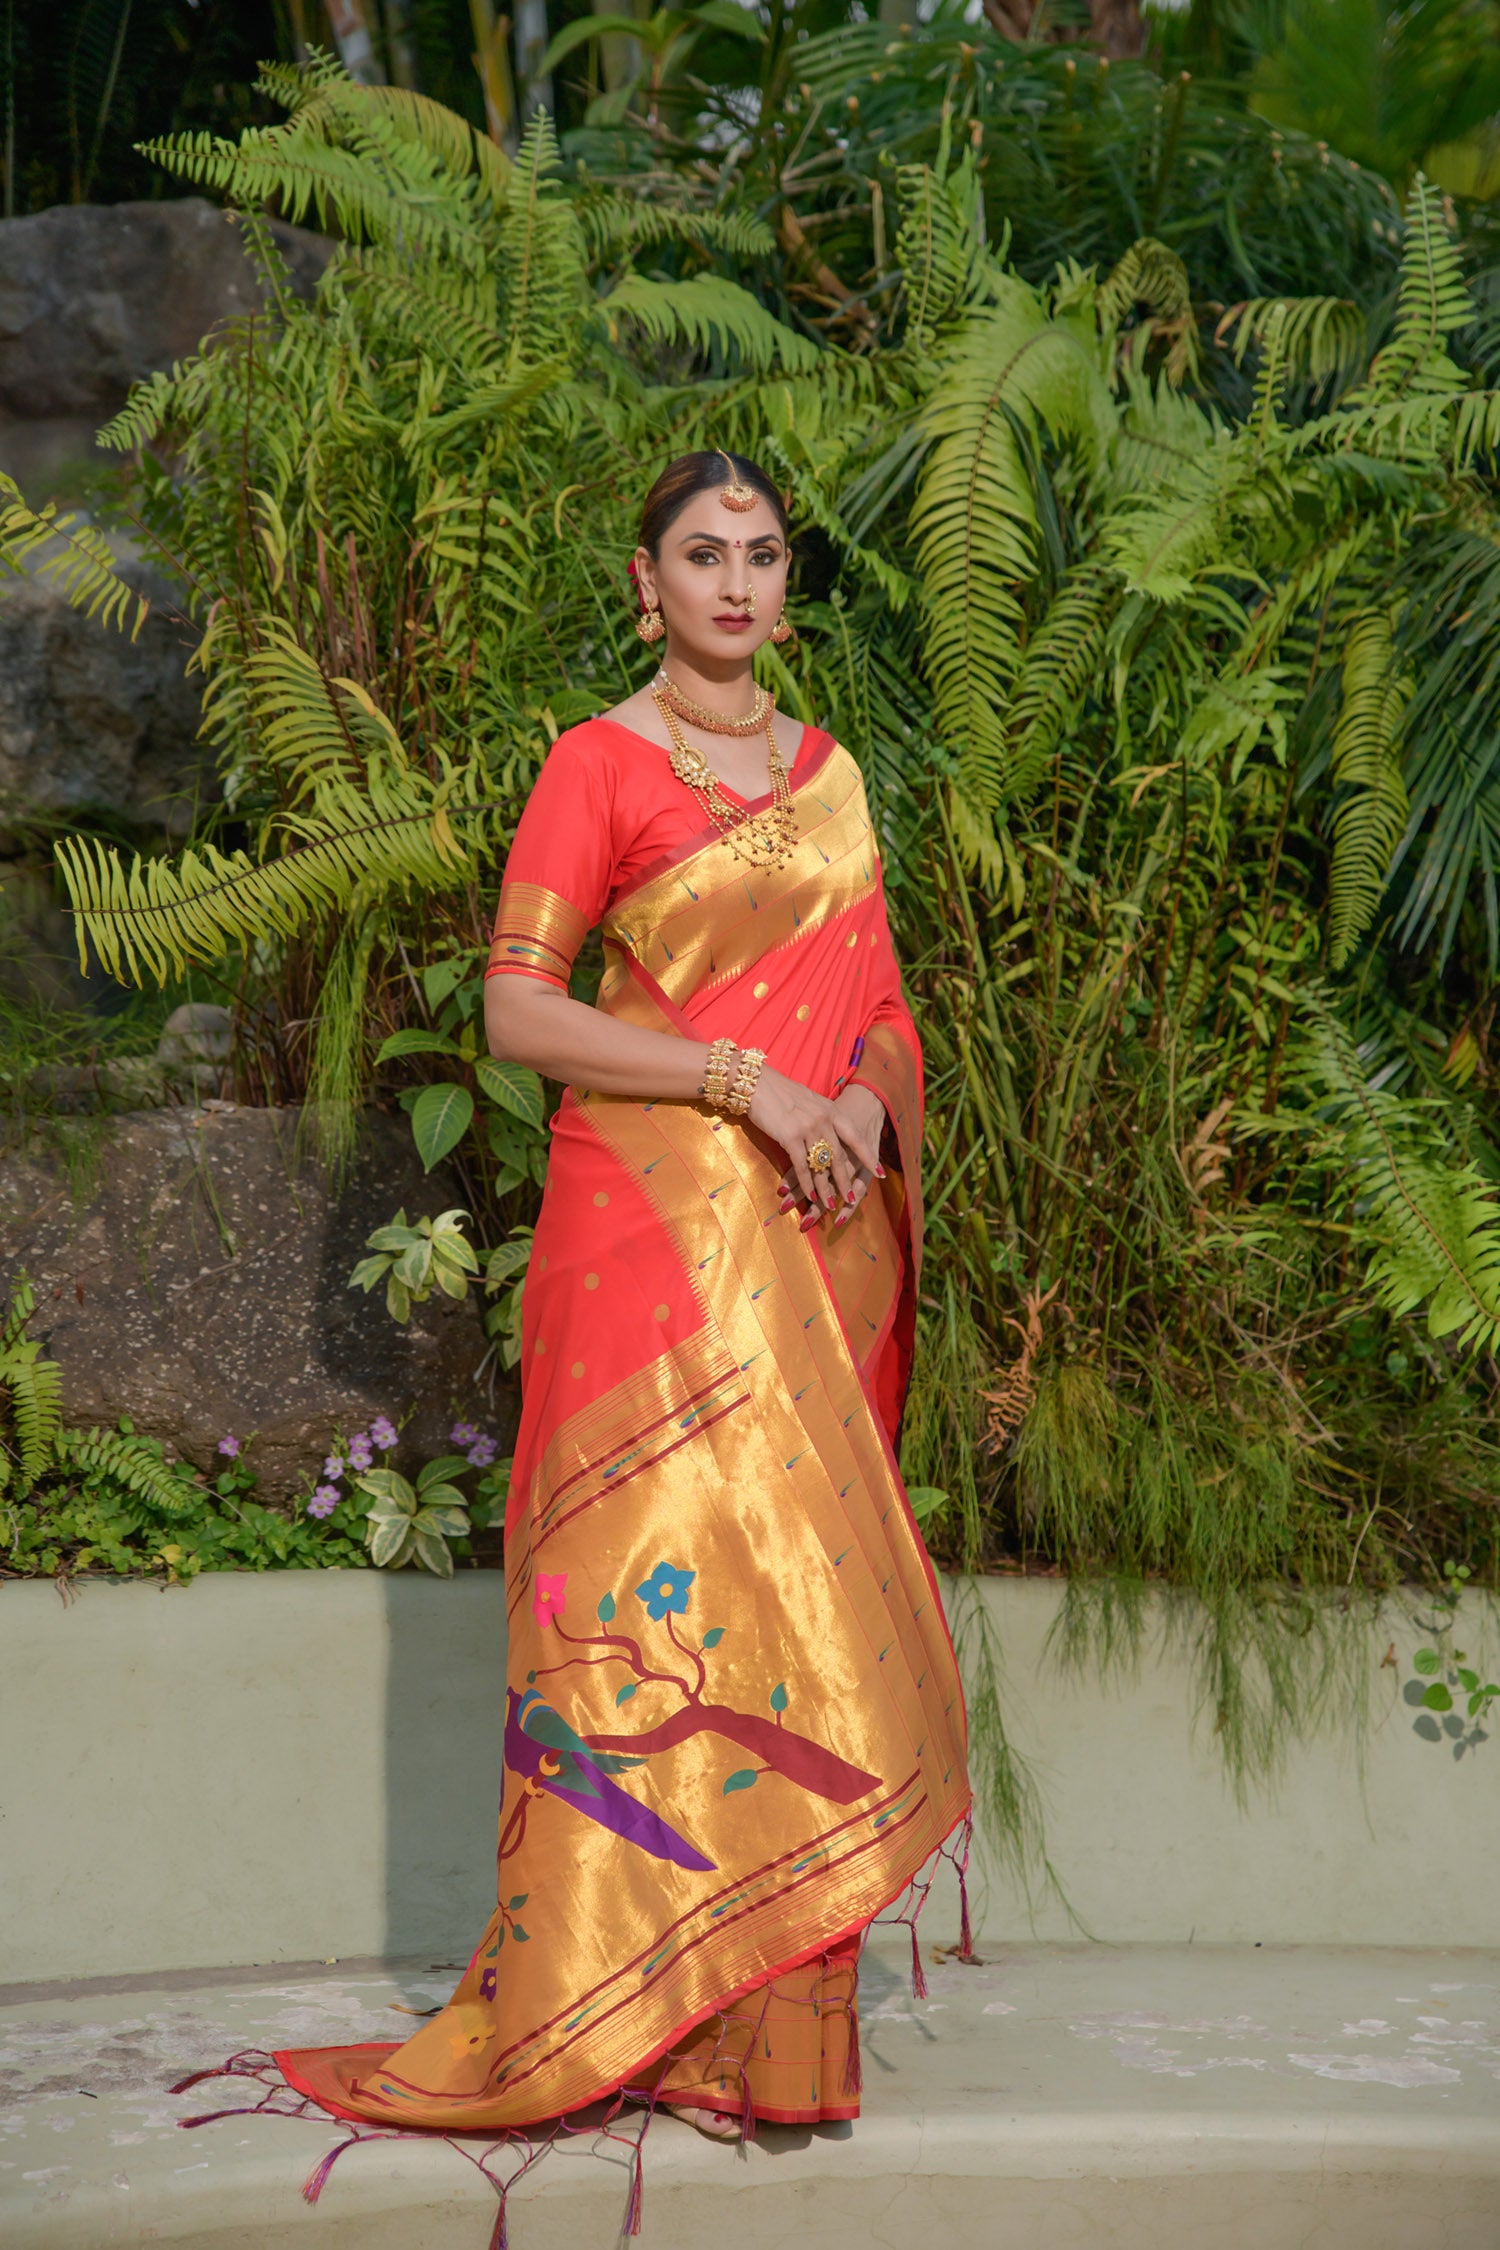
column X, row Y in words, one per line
column 803, row 1013
column 600, row 1200
column 591, row 1281
column 662, row 1312
column 577, row 1367
column 762, row 989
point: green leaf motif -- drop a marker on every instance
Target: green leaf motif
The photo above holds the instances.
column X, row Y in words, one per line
column 606, row 1609
column 440, row 1117
column 519, row 1900
column 522, row 1937
column 779, row 1696
column 713, row 1636
column 1427, row 1661
column 1437, row 1697
column 626, row 1692
column 746, row 1778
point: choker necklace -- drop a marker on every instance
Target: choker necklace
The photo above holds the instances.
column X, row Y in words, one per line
column 764, row 839
column 755, row 720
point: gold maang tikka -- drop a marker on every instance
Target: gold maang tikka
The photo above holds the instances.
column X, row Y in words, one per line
column 740, row 497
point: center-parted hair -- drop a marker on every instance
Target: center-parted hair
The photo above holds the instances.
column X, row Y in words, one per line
column 692, row 473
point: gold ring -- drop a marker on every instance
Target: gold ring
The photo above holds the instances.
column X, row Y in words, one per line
column 820, row 1157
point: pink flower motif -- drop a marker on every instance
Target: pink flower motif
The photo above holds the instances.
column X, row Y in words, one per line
column 548, row 1595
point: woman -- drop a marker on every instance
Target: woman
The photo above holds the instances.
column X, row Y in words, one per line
column 734, row 1729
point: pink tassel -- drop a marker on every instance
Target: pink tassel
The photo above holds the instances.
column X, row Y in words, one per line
column 255, row 2109
column 854, row 2075
column 918, row 1981
column 633, row 2206
column 500, row 2238
column 317, row 2178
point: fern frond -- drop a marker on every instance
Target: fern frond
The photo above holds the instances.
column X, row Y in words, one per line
column 615, row 225
column 1153, row 276
column 711, row 314
column 1324, row 339
column 130, row 1461
column 1433, row 305
column 76, row 558
column 1366, row 761
column 1435, row 1217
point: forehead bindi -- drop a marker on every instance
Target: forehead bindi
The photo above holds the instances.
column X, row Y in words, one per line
column 710, row 527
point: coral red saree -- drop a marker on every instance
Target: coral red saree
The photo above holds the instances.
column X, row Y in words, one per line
column 734, row 1730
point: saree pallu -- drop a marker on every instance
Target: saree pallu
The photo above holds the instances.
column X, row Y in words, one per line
column 734, row 1730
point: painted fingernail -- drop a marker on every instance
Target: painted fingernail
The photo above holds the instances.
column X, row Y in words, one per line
column 786, row 1203
column 810, row 1221
column 849, row 1195
column 880, row 1171
column 839, row 1221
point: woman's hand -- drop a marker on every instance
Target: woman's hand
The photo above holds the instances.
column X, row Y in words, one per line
column 797, row 1118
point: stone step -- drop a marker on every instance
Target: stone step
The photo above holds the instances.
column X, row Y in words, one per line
column 1075, row 2097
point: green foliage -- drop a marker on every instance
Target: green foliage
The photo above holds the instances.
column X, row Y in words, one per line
column 1167, row 650
column 414, row 1523
column 412, row 1261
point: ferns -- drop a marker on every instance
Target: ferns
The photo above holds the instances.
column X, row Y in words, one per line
column 712, row 315
column 75, row 557
column 127, row 1460
column 1366, row 761
column 36, row 1442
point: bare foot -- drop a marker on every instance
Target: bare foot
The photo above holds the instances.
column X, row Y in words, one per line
column 717, row 2124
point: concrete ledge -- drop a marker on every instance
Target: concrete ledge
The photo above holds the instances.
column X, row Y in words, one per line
column 1055, row 2098
column 303, row 1765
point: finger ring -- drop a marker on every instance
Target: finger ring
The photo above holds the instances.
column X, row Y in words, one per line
column 820, row 1157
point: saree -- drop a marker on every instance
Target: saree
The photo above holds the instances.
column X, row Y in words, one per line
column 734, row 1730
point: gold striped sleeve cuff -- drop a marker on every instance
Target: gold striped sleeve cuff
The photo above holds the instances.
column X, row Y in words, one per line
column 537, row 934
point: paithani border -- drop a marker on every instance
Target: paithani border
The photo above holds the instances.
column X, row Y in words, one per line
column 602, row 1447
column 537, row 933
column 707, row 918
column 889, row 1068
column 892, row 1815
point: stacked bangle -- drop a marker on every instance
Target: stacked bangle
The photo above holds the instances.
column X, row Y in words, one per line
column 717, row 1073
column 743, row 1091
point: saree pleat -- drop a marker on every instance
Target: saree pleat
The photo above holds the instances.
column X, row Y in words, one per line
column 734, row 1729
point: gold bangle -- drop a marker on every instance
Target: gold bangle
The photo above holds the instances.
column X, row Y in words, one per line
column 751, row 1061
column 717, row 1072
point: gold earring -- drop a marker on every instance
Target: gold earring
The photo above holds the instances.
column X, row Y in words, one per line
column 783, row 629
column 651, row 624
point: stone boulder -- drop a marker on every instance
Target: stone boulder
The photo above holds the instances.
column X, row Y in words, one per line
column 92, row 721
column 191, row 1270
column 93, row 297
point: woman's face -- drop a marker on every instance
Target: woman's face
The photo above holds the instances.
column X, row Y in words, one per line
column 719, row 581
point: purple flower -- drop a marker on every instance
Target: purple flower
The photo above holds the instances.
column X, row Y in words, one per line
column 383, row 1432
column 666, row 1589
column 463, row 1433
column 334, row 1465
column 487, row 1985
column 361, row 1455
column 324, row 1500
column 482, row 1452
column 229, row 1446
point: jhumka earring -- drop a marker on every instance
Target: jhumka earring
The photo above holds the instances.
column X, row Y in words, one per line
column 783, row 629
column 650, row 625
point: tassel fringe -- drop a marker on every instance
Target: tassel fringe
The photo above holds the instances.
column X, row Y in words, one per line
column 918, row 1980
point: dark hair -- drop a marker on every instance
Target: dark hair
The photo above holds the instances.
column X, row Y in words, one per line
column 692, row 473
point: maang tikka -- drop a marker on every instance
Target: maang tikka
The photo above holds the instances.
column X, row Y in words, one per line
column 740, row 497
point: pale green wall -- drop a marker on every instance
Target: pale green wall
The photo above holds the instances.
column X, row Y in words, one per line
column 306, row 1764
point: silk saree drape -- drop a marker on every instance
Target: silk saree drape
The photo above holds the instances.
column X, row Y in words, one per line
column 734, row 1730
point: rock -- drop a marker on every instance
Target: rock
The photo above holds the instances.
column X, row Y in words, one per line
column 192, row 1271
column 93, row 297
column 118, row 1082
column 198, row 1032
column 92, row 721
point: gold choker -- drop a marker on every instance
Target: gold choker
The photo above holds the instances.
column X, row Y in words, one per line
column 755, row 720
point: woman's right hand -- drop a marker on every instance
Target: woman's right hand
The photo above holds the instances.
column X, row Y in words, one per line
column 796, row 1118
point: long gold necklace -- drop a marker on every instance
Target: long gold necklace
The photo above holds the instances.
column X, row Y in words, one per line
column 765, row 839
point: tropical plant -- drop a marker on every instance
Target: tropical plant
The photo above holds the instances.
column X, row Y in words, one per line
column 1185, row 846
column 414, row 1523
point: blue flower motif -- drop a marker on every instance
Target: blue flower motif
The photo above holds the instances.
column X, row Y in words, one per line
column 666, row 1589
